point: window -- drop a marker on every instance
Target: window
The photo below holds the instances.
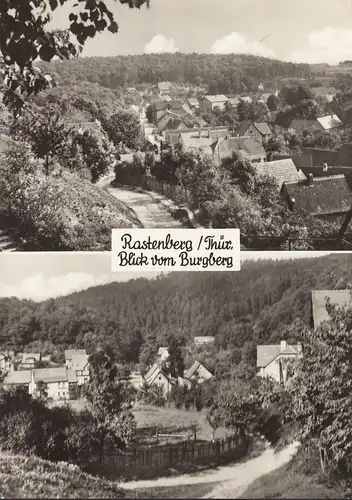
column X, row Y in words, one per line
column 62, row 385
column 79, row 372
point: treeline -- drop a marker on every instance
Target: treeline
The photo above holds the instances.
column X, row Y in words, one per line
column 256, row 305
column 222, row 73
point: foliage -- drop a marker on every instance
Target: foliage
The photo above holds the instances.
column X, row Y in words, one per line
column 26, row 37
column 96, row 153
column 123, row 127
column 109, row 403
column 175, row 362
column 321, row 387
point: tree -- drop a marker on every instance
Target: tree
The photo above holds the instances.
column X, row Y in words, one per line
column 175, row 362
column 41, row 390
column 322, row 389
column 96, row 151
column 44, row 130
column 25, row 37
column 273, row 102
column 109, row 403
column 124, row 127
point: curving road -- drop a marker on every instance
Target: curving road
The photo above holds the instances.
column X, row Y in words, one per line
column 229, row 481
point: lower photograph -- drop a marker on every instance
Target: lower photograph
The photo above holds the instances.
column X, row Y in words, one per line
column 176, row 385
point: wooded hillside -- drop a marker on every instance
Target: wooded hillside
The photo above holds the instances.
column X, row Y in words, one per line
column 254, row 305
column 223, row 73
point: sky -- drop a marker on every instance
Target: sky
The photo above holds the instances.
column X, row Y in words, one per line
column 39, row 276
column 310, row 31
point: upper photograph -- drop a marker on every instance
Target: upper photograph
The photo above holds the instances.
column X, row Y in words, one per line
column 175, row 113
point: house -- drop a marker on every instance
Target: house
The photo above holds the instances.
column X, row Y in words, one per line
column 28, row 360
column 174, row 121
column 273, row 360
column 337, row 297
column 344, row 155
column 197, row 372
column 193, row 103
column 247, row 147
column 328, row 197
column 136, row 379
column 174, row 138
column 156, row 376
column 328, row 92
column 70, row 353
column 322, row 124
column 161, row 107
column 258, row 131
column 163, row 354
column 80, row 367
column 210, row 102
column 18, row 379
column 163, row 88
column 199, row 341
column 138, row 111
column 321, row 156
column 90, row 126
column 197, row 145
column 7, row 361
column 57, row 382
column 280, row 170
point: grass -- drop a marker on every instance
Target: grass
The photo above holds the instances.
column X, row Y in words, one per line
column 171, row 420
column 32, row 477
column 286, row 482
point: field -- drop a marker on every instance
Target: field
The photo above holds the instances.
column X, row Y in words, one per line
column 172, row 421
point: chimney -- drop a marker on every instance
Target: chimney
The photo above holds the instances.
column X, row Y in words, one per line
column 310, row 180
column 325, row 167
column 283, row 345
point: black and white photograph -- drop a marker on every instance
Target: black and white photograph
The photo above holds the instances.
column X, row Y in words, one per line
column 175, row 113
column 175, row 385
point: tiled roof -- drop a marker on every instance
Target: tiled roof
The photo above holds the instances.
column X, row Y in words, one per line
column 192, row 370
column 193, row 101
column 174, row 104
column 326, row 195
column 154, row 372
column 79, row 361
column 51, row 374
column 263, row 128
column 300, row 125
column 338, row 297
column 250, row 147
column 216, row 98
column 162, row 350
column 197, row 142
column 164, row 86
column 281, row 170
column 18, row 377
column 73, row 352
column 243, row 127
column 324, row 90
column 329, row 122
column 267, row 353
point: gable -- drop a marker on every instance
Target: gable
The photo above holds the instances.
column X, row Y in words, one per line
column 281, row 170
column 319, row 312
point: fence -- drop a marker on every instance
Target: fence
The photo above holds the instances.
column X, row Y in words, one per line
column 156, row 459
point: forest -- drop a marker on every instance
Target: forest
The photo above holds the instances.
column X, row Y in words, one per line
column 257, row 305
column 222, row 73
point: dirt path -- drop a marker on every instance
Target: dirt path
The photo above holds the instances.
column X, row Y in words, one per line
column 230, row 480
column 148, row 209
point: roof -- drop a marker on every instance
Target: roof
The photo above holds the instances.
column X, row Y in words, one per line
column 7, row 353
column 225, row 148
column 197, row 142
column 73, row 352
column 79, row 361
column 300, row 125
column 329, row 122
column 26, row 356
column 338, row 297
column 49, row 375
column 18, row 377
column 203, row 340
column 162, row 350
column 154, row 372
column 326, row 195
column 281, row 170
column 246, row 99
column 188, row 374
column 193, row 101
column 215, row 98
column 174, row 104
column 164, row 86
column 267, row 353
column 324, row 90
column 263, row 128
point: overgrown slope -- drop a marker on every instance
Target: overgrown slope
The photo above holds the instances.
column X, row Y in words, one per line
column 31, row 477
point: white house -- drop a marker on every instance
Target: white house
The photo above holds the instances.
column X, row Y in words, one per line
column 70, row 353
column 197, row 372
column 203, row 340
column 157, row 377
column 80, row 366
column 273, row 360
column 20, row 378
column 210, row 102
column 56, row 380
column 28, row 360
